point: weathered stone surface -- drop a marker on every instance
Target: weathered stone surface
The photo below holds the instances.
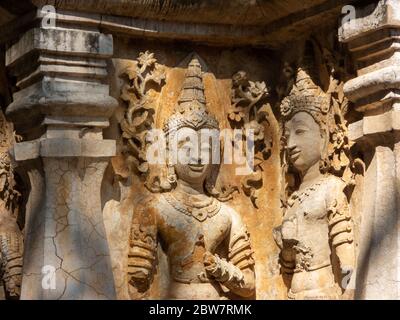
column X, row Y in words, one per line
column 372, row 41
column 234, row 12
column 244, row 22
column 63, row 156
column 67, row 235
column 378, row 258
column 310, row 212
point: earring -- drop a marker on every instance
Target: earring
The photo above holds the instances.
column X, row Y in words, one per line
column 171, row 176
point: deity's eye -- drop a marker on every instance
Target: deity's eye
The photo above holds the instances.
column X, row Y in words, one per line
column 187, row 149
column 300, row 131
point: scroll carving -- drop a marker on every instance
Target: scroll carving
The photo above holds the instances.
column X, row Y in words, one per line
column 249, row 110
column 144, row 76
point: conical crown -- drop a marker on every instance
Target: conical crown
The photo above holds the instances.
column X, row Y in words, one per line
column 191, row 110
column 306, row 95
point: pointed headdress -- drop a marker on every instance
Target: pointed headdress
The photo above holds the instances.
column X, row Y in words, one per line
column 306, row 95
column 190, row 110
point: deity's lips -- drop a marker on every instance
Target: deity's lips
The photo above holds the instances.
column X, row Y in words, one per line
column 196, row 167
column 294, row 155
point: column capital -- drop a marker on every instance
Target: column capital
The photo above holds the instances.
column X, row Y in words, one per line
column 373, row 40
column 62, row 100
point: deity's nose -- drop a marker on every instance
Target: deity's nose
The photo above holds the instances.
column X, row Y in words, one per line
column 195, row 159
column 291, row 145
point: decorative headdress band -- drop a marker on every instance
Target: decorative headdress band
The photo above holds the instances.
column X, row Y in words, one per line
column 306, row 96
column 191, row 110
column 316, row 106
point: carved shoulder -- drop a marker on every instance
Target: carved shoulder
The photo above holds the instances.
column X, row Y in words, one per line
column 146, row 209
column 339, row 215
column 234, row 216
column 334, row 190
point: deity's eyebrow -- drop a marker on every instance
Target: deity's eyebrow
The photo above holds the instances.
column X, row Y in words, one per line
column 182, row 142
column 299, row 122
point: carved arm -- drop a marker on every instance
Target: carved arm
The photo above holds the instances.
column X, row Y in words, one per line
column 142, row 249
column 341, row 233
column 237, row 272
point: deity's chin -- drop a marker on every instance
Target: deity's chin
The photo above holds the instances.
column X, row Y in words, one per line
column 193, row 173
column 299, row 165
column 195, row 177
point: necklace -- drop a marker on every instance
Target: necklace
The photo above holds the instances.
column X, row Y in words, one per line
column 198, row 210
column 301, row 196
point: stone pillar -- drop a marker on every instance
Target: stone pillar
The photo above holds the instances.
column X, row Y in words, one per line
column 372, row 39
column 60, row 108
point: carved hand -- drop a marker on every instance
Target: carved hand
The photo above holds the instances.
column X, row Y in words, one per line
column 220, row 269
column 140, row 281
column 212, row 267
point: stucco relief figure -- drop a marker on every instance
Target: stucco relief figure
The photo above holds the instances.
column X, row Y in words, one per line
column 10, row 254
column 316, row 235
column 207, row 244
column 11, row 242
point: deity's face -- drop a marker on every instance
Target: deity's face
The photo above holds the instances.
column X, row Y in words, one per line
column 304, row 141
column 193, row 163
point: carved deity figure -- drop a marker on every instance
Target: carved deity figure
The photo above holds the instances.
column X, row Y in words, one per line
column 207, row 244
column 11, row 242
column 316, row 235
